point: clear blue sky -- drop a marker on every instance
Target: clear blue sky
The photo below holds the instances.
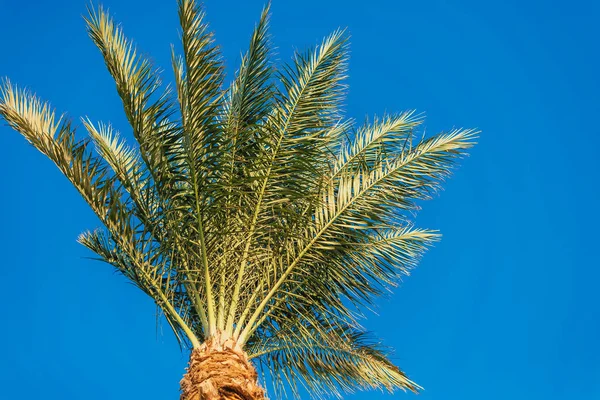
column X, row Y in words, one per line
column 506, row 306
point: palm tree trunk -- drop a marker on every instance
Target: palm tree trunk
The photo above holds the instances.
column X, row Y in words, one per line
column 219, row 369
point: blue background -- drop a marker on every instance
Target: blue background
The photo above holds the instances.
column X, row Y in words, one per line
column 506, row 306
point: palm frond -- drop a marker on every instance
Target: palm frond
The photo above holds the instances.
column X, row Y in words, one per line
column 55, row 138
column 150, row 271
column 328, row 360
column 247, row 105
column 137, row 84
column 199, row 76
column 296, row 141
column 372, row 142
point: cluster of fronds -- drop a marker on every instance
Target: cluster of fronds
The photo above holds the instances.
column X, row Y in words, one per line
column 254, row 209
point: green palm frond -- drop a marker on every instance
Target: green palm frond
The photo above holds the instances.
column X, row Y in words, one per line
column 390, row 134
column 137, row 83
column 253, row 210
column 249, row 98
column 199, row 76
column 294, row 147
column 247, row 106
column 305, row 354
column 55, row 138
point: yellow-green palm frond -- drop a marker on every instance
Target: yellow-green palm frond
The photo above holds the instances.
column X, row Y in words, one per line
column 371, row 142
column 137, row 84
column 91, row 176
column 328, row 359
column 293, row 150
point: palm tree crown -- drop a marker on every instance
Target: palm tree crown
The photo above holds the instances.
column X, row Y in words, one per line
column 254, row 210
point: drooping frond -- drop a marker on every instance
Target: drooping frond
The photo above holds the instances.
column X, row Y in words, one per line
column 360, row 271
column 55, row 138
column 328, row 360
column 253, row 211
column 152, row 273
column 130, row 250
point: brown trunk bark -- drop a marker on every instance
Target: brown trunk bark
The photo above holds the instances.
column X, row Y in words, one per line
column 219, row 369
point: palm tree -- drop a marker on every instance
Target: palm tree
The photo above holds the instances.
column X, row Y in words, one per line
column 259, row 220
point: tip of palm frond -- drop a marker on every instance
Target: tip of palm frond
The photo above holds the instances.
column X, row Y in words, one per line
column 396, row 379
column 427, row 236
column 263, row 23
column 403, row 383
column 26, row 112
column 467, row 136
column 83, row 237
column 412, row 386
column 266, row 9
column 342, row 35
column 4, row 81
column 94, row 14
column 5, row 89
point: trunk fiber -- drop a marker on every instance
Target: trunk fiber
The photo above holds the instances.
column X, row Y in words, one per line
column 220, row 370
